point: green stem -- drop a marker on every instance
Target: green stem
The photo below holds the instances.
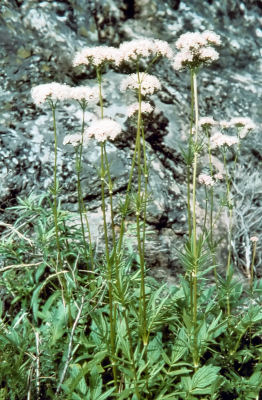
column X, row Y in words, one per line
column 61, row 279
column 108, row 260
column 252, row 267
column 189, row 154
column 205, row 217
column 211, row 193
column 211, row 241
column 195, row 255
column 230, row 207
column 55, row 186
column 81, row 205
column 99, row 79
column 122, row 226
column 109, row 267
column 131, row 352
column 110, row 184
column 139, row 242
column 146, row 183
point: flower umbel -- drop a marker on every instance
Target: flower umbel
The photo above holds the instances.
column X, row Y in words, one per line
column 96, row 56
column 195, row 49
column 103, row 130
column 218, row 140
column 148, row 83
column 145, row 108
column 84, row 93
column 53, row 91
column 244, row 124
column 143, row 48
column 206, row 180
column 74, row 140
column 207, row 122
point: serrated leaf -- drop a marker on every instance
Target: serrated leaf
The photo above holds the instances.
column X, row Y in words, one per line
column 205, row 376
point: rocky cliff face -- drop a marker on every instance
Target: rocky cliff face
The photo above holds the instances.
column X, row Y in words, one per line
column 39, row 39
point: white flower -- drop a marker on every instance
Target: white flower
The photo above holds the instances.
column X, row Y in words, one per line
column 163, row 49
column 206, row 180
column 219, row 176
column 135, row 49
column 74, row 140
column 191, row 40
column 208, row 54
column 148, row 83
column 145, row 108
column 96, row 56
column 84, row 93
column 206, row 122
column 254, row 239
column 183, row 58
column 103, row 130
column 212, row 38
column 53, row 91
column 224, row 124
column 195, row 49
column 218, row 140
column 245, row 123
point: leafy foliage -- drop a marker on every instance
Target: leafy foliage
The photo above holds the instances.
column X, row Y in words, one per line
column 54, row 338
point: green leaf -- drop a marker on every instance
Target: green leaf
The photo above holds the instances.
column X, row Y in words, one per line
column 35, row 302
column 205, row 376
column 106, row 394
column 181, row 371
column 39, row 272
column 180, row 347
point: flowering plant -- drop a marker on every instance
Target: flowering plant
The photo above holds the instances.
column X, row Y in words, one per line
column 85, row 325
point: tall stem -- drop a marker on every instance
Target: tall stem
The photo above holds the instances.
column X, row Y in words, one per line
column 108, row 260
column 252, row 267
column 189, row 216
column 79, row 189
column 81, row 204
column 146, row 183
column 55, row 191
column 62, row 281
column 139, row 242
column 211, row 241
column 194, row 239
column 110, row 184
column 230, row 213
column 122, row 226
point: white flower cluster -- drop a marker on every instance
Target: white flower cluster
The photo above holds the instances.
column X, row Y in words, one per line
column 53, row 91
column 148, row 83
column 206, row 122
column 135, row 49
column 219, row 140
column 195, row 49
column 86, row 93
column 219, row 176
column 96, row 56
column 245, row 123
column 145, row 108
column 254, row 239
column 206, row 180
column 224, row 124
column 242, row 122
column 103, row 130
column 74, row 140
column 56, row 91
